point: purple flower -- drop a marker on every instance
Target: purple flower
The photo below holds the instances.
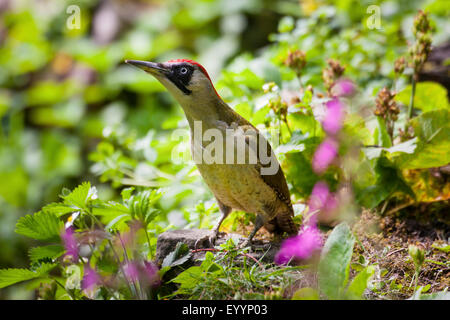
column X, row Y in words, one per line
column 334, row 117
column 131, row 271
column 300, row 247
column 322, row 202
column 151, row 275
column 70, row 244
column 343, row 87
column 90, row 278
column 324, row 155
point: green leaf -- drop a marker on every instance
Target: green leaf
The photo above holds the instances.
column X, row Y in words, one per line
column 429, row 96
column 334, row 262
column 389, row 179
column 381, row 135
column 359, row 284
column 305, row 294
column 58, row 209
column 11, row 276
column 441, row 295
column 40, row 226
column 50, row 251
column 80, row 196
column 433, row 131
column 178, row 256
column 189, row 278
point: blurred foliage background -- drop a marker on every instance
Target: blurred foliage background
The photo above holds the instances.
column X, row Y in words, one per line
column 71, row 111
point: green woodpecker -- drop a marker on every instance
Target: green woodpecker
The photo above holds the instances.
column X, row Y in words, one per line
column 241, row 185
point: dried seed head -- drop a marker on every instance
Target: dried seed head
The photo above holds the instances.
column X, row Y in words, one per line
column 296, row 60
column 399, row 65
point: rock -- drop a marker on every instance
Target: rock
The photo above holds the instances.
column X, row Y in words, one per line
column 262, row 250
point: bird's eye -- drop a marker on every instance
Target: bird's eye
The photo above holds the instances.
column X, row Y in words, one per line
column 183, row 70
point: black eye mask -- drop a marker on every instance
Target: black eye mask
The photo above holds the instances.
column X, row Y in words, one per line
column 181, row 75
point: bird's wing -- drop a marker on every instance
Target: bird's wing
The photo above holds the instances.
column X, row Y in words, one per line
column 276, row 180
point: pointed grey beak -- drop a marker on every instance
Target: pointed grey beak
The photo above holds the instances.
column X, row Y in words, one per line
column 150, row 67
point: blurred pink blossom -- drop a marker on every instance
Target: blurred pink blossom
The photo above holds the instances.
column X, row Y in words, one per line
column 321, row 201
column 131, row 271
column 343, row 87
column 90, row 278
column 70, row 244
column 301, row 246
column 332, row 123
column 324, row 155
column 151, row 275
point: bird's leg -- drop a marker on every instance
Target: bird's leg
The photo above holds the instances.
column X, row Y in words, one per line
column 225, row 211
column 259, row 222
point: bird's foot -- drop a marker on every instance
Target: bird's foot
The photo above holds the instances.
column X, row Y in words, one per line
column 210, row 239
column 246, row 243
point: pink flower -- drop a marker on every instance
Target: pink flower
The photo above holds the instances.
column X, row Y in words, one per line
column 70, row 244
column 322, row 202
column 334, row 117
column 300, row 247
column 151, row 275
column 131, row 271
column 324, row 155
column 343, row 87
column 90, row 278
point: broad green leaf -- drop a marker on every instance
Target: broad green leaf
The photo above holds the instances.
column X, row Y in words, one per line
column 404, row 147
column 11, row 276
column 429, row 96
column 40, row 226
column 433, row 147
column 189, row 278
column 389, row 180
column 305, row 294
column 50, row 251
column 334, row 265
column 381, row 135
column 359, row 283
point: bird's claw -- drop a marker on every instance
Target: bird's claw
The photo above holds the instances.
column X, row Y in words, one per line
column 210, row 238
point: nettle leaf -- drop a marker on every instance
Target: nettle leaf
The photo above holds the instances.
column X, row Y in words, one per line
column 177, row 257
column 334, row 265
column 40, row 226
column 80, row 196
column 12, row 276
column 359, row 283
column 429, row 96
column 46, row 252
column 59, row 209
column 433, row 131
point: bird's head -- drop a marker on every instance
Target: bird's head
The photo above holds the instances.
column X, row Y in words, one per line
column 186, row 80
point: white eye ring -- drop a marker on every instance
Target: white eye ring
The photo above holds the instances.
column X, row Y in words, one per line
column 183, row 70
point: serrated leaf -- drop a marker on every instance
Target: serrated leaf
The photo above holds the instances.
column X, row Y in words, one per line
column 50, row 252
column 58, row 209
column 80, row 195
column 40, row 226
column 178, row 256
column 334, row 262
column 12, row 276
column 359, row 284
